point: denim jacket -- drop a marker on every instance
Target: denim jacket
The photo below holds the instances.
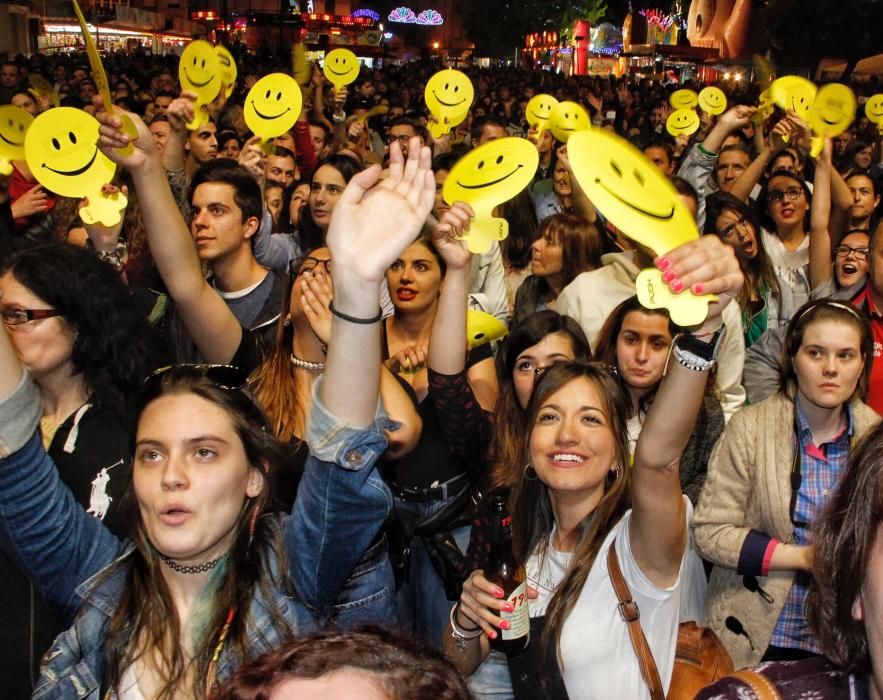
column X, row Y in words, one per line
column 341, row 505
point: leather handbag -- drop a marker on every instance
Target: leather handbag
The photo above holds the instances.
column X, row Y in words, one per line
column 700, row 658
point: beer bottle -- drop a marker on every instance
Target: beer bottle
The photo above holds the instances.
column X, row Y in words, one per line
column 509, row 574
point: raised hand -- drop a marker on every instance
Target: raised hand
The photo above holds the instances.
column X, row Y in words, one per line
column 446, row 236
column 316, row 295
column 372, row 223
column 111, row 138
column 252, row 158
column 181, row 111
column 704, row 266
column 34, row 201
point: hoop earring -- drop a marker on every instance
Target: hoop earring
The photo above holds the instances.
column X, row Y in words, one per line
column 616, row 473
column 530, row 473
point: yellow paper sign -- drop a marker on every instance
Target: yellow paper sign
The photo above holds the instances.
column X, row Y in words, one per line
column 448, row 96
column 301, row 68
column 874, row 110
column 100, row 78
column 683, row 99
column 538, row 112
column 229, row 72
column 14, row 125
column 765, row 108
column 489, row 175
column 794, row 94
column 639, row 200
column 199, row 72
column 712, row 100
column 832, row 112
column 682, row 122
column 273, row 105
column 566, row 119
column 341, row 67
column 61, row 149
column 482, row 327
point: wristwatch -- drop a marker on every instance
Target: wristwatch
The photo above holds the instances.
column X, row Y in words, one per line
column 697, row 354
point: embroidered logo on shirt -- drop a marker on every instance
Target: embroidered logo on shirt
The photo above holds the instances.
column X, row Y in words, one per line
column 99, row 500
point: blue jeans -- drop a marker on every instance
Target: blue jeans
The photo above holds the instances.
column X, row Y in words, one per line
column 491, row 680
column 423, row 607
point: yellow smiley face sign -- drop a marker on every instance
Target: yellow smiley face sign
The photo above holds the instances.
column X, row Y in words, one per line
column 489, row 175
column 341, row 67
column 199, row 71
column 833, row 110
column 482, row 327
column 683, row 99
column 227, row 65
column 61, row 149
column 712, row 100
column 567, row 118
column 14, row 125
column 273, row 105
column 682, row 122
column 448, row 96
column 640, row 201
column 874, row 110
column 539, row 110
column 794, row 94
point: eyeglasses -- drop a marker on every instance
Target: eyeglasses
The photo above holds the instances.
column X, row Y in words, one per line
column 299, row 266
column 404, row 140
column 224, row 376
column 740, row 224
column 16, row 317
column 777, row 196
column 843, row 251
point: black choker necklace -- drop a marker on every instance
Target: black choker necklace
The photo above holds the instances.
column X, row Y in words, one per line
column 195, row 569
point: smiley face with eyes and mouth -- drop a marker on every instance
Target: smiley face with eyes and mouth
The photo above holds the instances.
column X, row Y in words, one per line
column 712, row 100
column 874, row 110
column 794, row 94
column 448, row 95
column 566, row 119
column 199, row 71
column 682, row 122
column 14, row 125
column 539, row 110
column 683, row 99
column 341, row 67
column 61, row 150
column 227, row 65
column 489, row 175
column 640, row 201
column 273, row 105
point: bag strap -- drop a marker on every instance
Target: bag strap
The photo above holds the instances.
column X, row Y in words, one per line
column 628, row 610
column 762, row 687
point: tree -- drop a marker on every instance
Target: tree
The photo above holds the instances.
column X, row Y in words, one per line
column 805, row 32
column 498, row 27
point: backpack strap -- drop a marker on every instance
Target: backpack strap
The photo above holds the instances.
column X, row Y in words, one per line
column 762, row 687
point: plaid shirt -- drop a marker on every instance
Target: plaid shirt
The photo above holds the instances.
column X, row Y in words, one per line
column 820, row 469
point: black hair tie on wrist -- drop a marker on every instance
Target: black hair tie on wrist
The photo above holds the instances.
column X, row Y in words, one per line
column 353, row 319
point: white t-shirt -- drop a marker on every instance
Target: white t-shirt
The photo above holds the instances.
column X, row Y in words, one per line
column 597, row 657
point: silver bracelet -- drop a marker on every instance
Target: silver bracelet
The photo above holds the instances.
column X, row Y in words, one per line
column 690, row 360
column 461, row 636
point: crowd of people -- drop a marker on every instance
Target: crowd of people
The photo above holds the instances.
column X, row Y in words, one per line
column 249, row 450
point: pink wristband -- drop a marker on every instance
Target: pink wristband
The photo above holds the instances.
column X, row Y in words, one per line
column 767, row 557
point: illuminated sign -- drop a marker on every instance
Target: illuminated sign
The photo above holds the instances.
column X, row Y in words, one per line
column 371, row 14
column 405, row 15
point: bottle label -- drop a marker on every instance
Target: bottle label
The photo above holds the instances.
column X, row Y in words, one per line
column 519, row 618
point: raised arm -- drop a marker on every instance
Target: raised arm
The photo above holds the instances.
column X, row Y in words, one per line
column 209, row 321
column 775, row 142
column 342, row 501
column 179, row 113
column 41, row 526
column 658, row 526
column 821, row 248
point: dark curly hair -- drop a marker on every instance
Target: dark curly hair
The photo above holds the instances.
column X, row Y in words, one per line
column 403, row 667
column 114, row 348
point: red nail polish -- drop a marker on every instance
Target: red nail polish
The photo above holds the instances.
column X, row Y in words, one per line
column 668, row 276
column 508, row 607
column 491, row 634
column 677, row 286
column 697, row 289
column 505, row 624
column 498, row 593
column 663, row 263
